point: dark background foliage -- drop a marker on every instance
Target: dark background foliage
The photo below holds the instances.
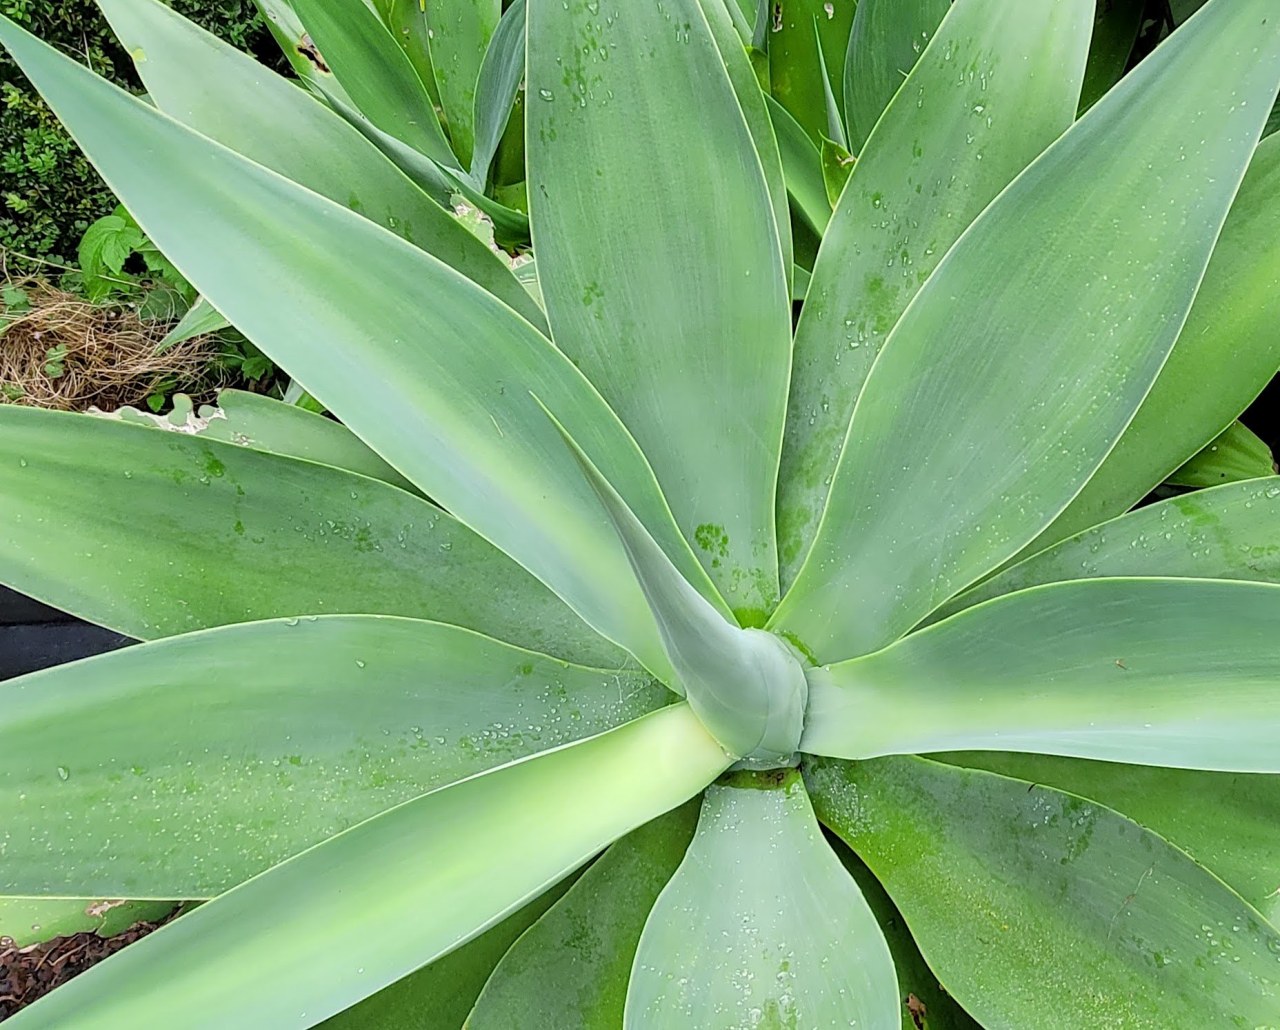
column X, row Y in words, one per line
column 49, row 193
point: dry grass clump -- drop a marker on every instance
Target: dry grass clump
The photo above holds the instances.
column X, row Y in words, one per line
column 66, row 353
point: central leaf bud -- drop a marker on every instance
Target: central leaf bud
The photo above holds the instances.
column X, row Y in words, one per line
column 749, row 689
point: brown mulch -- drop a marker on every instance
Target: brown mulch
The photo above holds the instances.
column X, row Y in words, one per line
column 27, row 974
column 102, row 356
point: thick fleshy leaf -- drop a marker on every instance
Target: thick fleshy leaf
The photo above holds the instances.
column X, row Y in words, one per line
column 1031, row 904
column 180, row 768
column 439, row 996
column 457, row 419
column 1228, row 822
column 300, row 50
column 459, row 32
column 201, row 318
column 746, row 686
column 280, row 427
column 981, row 421
column 499, row 80
column 1182, row 673
column 1228, row 532
column 1115, row 30
column 940, row 154
column 154, row 534
column 798, row 77
column 680, row 311
column 572, row 967
column 754, row 107
column 761, row 925
column 27, row 921
column 1236, row 453
column 1225, row 355
column 312, row 936
column 802, row 168
column 925, row 1004
column 252, row 420
column 886, row 40
column 268, row 119
column 375, row 72
column 406, row 20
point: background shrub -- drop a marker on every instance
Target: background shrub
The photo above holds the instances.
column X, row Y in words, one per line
column 49, row 192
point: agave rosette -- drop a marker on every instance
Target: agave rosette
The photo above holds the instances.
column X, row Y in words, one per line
column 577, row 556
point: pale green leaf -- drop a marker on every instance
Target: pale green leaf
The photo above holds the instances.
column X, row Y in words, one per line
column 802, row 168
column 1228, row 532
column 1225, row 355
column 313, row 935
column 201, row 318
column 886, row 40
column 981, row 420
column 761, row 925
column 499, row 80
column 1182, row 673
column 300, row 49
column 439, row 996
column 745, row 684
column 572, row 967
column 455, row 418
column 837, row 167
column 180, row 768
column 458, row 37
column 1228, row 822
column 269, row 120
column 923, row 998
column 752, row 102
column 1035, row 906
column 375, row 73
column 27, row 921
column 941, row 153
column 406, row 20
column 154, row 534
column 1235, row 454
column 649, row 201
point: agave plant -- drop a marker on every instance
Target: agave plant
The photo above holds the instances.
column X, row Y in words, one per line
column 558, row 576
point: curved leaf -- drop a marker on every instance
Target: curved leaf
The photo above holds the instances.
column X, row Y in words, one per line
column 456, row 419
column 27, row 921
column 981, row 421
column 1235, row 454
column 439, row 996
column 500, row 76
column 1228, row 822
column 1225, row 355
column 269, row 120
column 181, row 768
column 1228, row 532
column 747, row 688
column 799, row 78
column 885, row 41
column 458, row 37
column 802, row 168
column 572, row 967
column 761, row 924
column 315, row 934
column 1031, row 904
column 376, row 74
column 679, row 312
column 154, row 534
column 1172, row 672
column 751, row 100
column 940, row 154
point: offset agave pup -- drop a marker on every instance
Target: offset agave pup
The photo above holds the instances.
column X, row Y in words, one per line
column 698, row 586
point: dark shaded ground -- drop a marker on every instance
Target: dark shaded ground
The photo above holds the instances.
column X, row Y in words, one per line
column 31, row 973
